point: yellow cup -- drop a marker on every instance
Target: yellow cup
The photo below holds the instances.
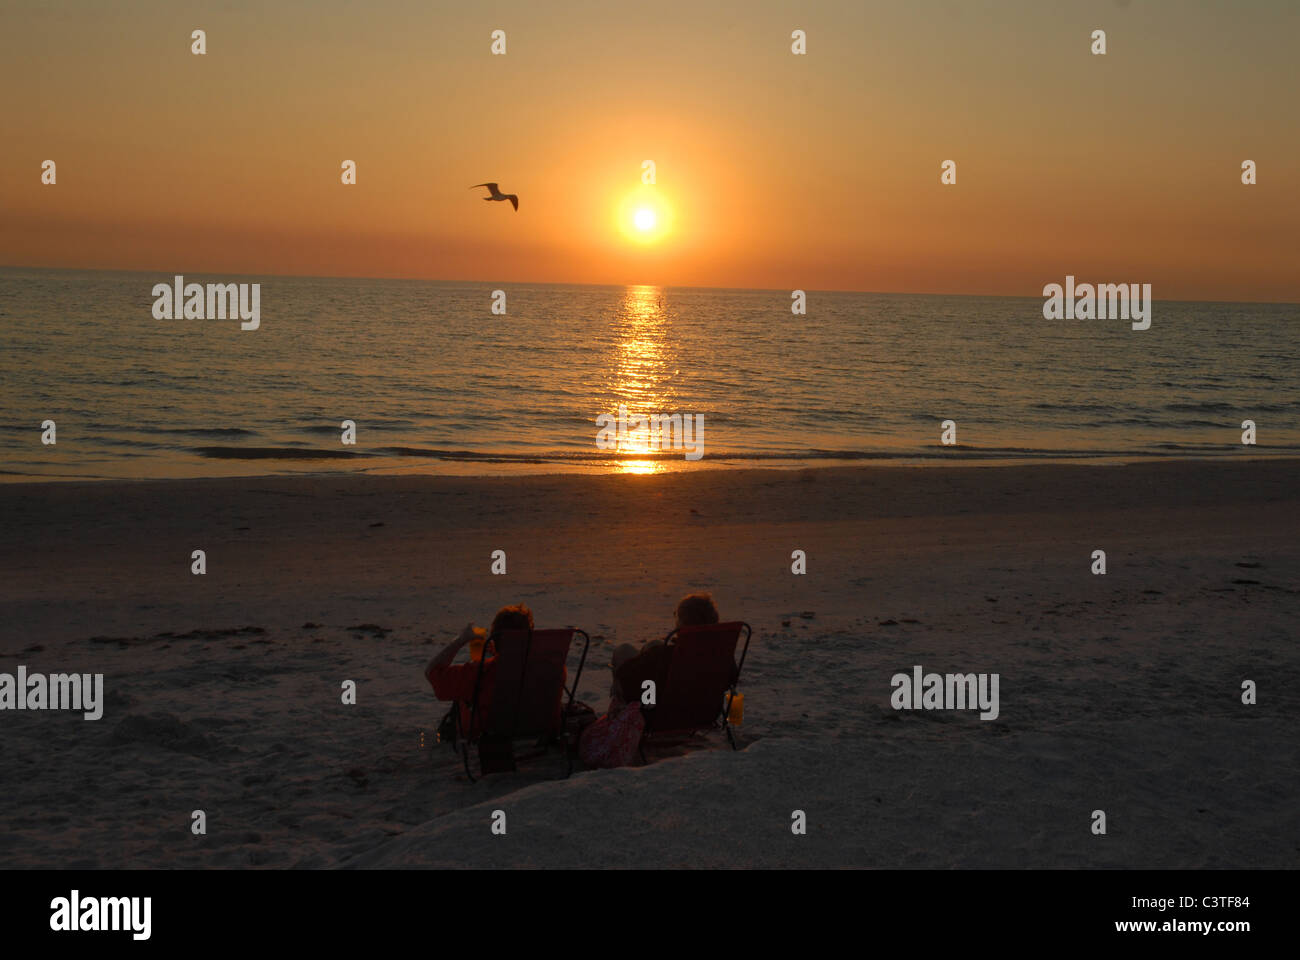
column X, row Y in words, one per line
column 736, row 715
column 476, row 645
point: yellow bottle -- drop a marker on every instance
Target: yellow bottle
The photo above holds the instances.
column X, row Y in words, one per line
column 476, row 645
column 736, row 714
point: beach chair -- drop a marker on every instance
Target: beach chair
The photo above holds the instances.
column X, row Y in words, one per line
column 696, row 683
column 528, row 699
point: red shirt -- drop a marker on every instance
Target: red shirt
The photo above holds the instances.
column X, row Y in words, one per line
column 456, row 682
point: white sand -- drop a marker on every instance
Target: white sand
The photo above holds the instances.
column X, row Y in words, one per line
column 1118, row 692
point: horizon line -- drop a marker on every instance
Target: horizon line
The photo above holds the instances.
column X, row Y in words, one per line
column 564, row 283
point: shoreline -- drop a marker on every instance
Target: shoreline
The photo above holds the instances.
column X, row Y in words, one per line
column 451, row 468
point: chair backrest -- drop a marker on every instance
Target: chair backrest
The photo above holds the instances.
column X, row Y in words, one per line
column 700, row 668
column 529, row 682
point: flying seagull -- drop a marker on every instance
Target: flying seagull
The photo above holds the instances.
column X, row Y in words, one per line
column 498, row 195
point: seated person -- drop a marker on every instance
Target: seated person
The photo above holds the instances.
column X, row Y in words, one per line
column 632, row 667
column 612, row 741
column 456, row 681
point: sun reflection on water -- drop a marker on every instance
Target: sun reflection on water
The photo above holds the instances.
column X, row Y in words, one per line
column 644, row 367
column 642, row 467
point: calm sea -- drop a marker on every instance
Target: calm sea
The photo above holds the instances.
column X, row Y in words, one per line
column 436, row 383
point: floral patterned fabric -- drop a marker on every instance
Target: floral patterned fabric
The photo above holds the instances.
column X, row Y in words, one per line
column 612, row 740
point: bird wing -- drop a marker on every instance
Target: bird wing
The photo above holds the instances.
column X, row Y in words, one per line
column 514, row 200
column 490, row 186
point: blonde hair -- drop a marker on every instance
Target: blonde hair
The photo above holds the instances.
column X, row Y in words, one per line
column 696, row 609
column 514, row 617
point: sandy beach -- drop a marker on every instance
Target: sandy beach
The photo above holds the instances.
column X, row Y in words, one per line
column 1119, row 692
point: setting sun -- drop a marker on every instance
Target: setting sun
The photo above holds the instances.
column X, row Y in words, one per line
column 644, row 216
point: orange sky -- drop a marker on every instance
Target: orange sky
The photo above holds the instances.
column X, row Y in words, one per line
column 781, row 171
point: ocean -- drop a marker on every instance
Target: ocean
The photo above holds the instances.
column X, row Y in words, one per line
column 436, row 383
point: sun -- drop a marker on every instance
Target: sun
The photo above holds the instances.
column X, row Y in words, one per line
column 645, row 217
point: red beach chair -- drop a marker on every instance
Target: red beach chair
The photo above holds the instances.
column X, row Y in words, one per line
column 696, row 682
column 527, row 698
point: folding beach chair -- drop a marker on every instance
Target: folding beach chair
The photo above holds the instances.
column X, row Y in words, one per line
column 696, row 683
column 527, row 698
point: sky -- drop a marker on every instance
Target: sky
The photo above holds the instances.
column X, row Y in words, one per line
column 779, row 171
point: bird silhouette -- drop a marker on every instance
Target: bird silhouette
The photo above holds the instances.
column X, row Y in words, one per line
column 498, row 195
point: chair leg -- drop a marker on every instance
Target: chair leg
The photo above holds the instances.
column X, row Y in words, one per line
column 464, row 749
column 731, row 737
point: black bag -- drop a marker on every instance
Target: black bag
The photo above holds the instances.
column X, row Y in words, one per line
column 448, row 727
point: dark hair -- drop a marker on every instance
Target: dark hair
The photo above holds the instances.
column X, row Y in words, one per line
column 696, row 609
column 514, row 617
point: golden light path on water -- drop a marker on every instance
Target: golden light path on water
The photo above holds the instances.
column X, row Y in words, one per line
column 640, row 466
column 643, row 366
